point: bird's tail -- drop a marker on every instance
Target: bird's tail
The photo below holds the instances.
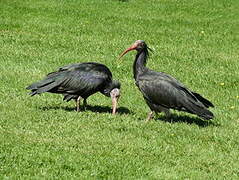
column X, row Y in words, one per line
column 46, row 85
column 207, row 115
column 199, row 110
column 203, row 100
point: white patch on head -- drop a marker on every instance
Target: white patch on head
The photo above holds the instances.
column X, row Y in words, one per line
column 139, row 41
column 115, row 92
column 139, row 44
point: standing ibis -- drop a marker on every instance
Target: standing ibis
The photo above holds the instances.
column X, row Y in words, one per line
column 161, row 91
column 79, row 81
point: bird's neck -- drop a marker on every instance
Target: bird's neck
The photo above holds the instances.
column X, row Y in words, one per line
column 140, row 62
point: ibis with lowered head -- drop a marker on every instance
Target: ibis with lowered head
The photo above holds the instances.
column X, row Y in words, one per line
column 79, row 81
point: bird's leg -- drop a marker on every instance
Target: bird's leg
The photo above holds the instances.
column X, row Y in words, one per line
column 78, row 104
column 150, row 115
column 168, row 114
column 84, row 104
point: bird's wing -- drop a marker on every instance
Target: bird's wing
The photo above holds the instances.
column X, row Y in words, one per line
column 81, row 77
column 166, row 91
column 86, row 67
column 86, row 78
column 178, row 84
column 76, row 81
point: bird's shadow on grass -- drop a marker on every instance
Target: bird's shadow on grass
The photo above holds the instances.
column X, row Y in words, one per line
column 189, row 120
column 107, row 109
column 95, row 108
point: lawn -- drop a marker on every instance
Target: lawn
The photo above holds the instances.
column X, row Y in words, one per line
column 43, row 137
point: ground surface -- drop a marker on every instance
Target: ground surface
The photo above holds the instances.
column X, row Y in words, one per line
column 43, row 137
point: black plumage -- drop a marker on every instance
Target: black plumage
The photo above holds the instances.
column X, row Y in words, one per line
column 163, row 92
column 79, row 81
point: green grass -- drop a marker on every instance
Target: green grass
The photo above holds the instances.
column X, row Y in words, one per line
column 44, row 138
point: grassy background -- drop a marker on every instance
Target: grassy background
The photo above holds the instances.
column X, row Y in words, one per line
column 43, row 137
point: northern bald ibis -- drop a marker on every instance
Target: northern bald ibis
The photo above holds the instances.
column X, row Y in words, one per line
column 79, row 81
column 161, row 91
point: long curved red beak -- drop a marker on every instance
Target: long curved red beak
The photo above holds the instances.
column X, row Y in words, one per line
column 114, row 104
column 133, row 47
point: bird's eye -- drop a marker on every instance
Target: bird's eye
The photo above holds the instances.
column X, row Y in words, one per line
column 140, row 46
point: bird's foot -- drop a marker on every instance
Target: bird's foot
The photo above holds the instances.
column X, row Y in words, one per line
column 150, row 116
column 78, row 104
column 78, row 109
column 84, row 105
column 168, row 115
